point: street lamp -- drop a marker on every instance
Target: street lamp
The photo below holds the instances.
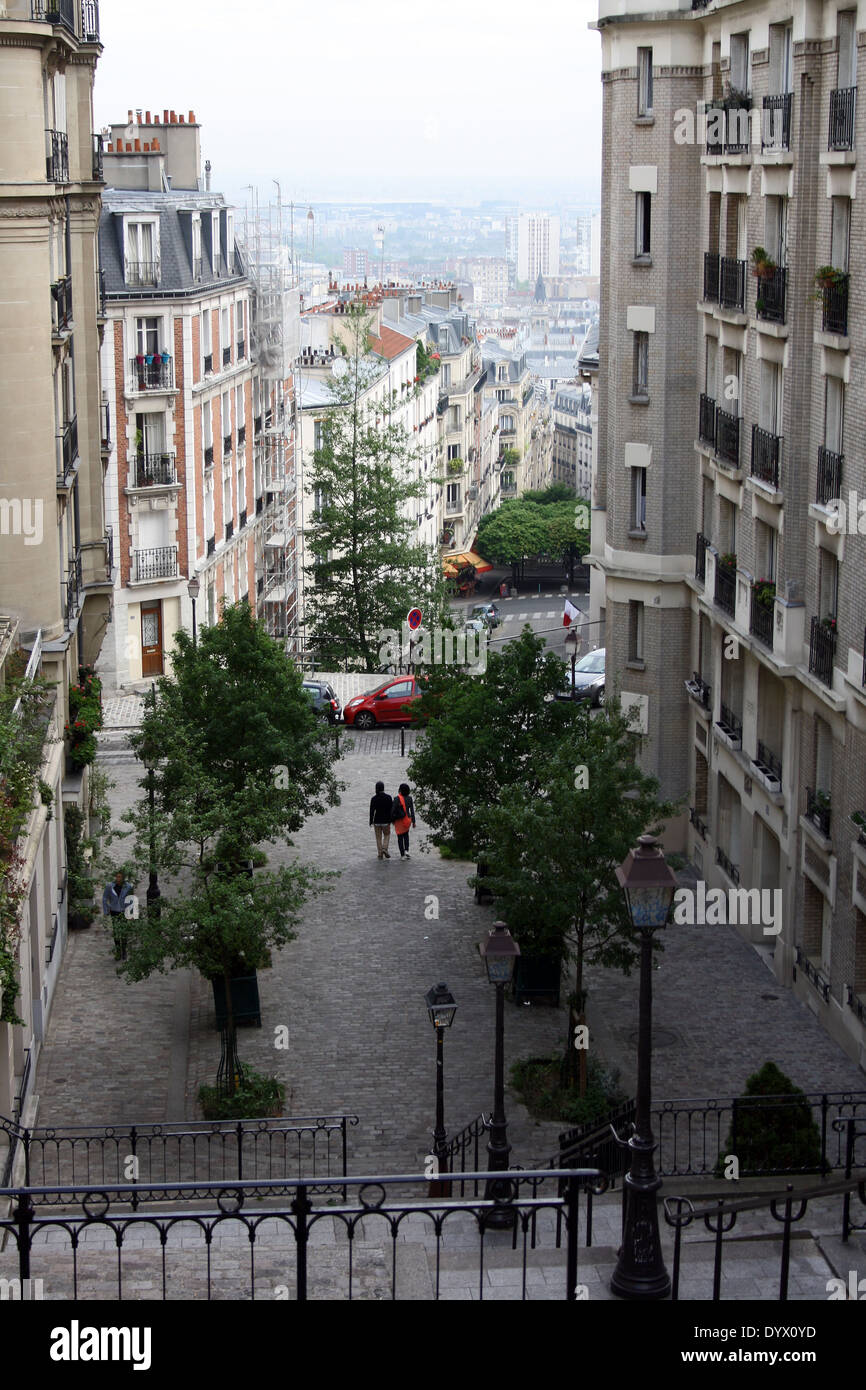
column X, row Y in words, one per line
column 192, row 587
column 571, row 645
column 153, row 893
column 441, row 1007
column 499, row 951
column 649, row 885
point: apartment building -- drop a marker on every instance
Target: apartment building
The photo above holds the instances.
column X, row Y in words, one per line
column 532, row 245
column 524, row 426
column 56, row 558
column 734, row 580
column 202, row 446
column 572, row 439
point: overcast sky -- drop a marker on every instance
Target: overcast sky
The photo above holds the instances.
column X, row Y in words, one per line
column 361, row 100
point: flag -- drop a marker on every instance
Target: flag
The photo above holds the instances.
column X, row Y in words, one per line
column 570, row 614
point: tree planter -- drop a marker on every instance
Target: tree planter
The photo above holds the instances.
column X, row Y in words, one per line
column 537, row 977
column 246, row 1007
column 79, row 920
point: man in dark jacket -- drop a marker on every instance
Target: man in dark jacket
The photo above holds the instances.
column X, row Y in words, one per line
column 380, row 818
column 114, row 900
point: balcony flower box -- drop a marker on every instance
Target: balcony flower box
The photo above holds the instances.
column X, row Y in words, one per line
column 827, row 277
column 829, row 623
column 763, row 265
column 765, row 593
column 728, row 562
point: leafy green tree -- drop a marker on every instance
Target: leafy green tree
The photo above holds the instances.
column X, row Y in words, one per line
column 552, row 844
column 537, row 523
column 772, row 1136
column 367, row 570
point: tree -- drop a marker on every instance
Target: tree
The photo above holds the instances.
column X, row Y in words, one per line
column 552, row 845
column 367, row 570
column 772, row 1136
column 537, row 523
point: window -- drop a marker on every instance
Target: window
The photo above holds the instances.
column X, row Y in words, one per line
column 644, row 81
column 503, row 372
column 403, row 690
column 207, row 340
column 196, row 246
column 226, row 333
column 840, row 224
column 638, row 499
column 318, row 436
column 502, row 395
column 643, row 216
column 147, row 335
column 712, row 368
column 226, row 412
column 640, row 383
column 207, row 425
column 240, row 417
column 452, row 497
column 227, row 500
column 506, row 423
column 635, row 630
column 142, row 253
column 446, row 373
column 781, row 67
column 453, row 451
column 239, row 327
column 823, row 755
column 846, row 29
column 776, row 228
column 834, row 414
column 215, row 242
column 765, row 550
column 740, row 78
column 320, row 498
column 770, row 404
column 230, row 238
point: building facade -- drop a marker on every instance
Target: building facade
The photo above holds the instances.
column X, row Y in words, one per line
column 532, row 245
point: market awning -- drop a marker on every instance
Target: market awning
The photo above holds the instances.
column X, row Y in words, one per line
column 460, row 559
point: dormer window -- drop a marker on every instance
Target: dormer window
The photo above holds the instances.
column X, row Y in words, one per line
column 196, row 246
column 230, row 238
column 215, row 242
column 142, row 252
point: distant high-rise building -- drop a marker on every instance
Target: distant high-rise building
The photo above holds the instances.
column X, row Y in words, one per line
column 532, row 244
column 356, row 263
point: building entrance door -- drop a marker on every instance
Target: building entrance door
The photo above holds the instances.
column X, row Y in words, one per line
column 151, row 640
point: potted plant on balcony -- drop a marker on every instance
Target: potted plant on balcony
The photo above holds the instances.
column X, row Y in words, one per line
column 763, row 265
column 859, row 819
column 827, row 277
column 829, row 623
column 765, row 593
column 728, row 562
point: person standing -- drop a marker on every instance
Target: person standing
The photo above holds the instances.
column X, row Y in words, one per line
column 114, row 899
column 404, row 816
column 381, row 806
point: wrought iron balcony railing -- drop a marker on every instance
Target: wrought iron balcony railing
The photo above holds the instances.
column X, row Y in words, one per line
column 776, row 122
column 761, row 621
column 68, row 452
column 59, row 12
column 731, row 869
column 159, row 562
column 834, row 306
column 728, row 437
column 700, row 689
column 766, row 448
column 729, row 125
column 141, row 274
column 98, row 169
column 822, row 646
column 699, row 824
column 105, row 416
column 155, row 470
column 768, row 762
column 813, row 974
column 90, row 21
column 701, row 544
column 732, row 283
column 818, row 810
column 726, row 589
column 711, row 276
column 731, row 723
column 61, row 304
column 843, row 102
column 56, row 156
column 153, row 375
column 72, row 587
column 707, row 420
column 770, row 295
column 829, row 487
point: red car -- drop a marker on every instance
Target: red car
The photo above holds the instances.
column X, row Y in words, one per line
column 384, row 705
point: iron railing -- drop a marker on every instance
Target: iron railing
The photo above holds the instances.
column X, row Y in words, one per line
column 701, row 690
column 730, row 722
column 816, row 977
column 732, row 283
column 829, row 487
column 726, row 589
column 729, row 125
column 155, row 470
column 701, row 543
column 840, row 135
column 56, row 156
column 68, row 449
column 818, row 810
column 822, row 646
column 98, row 163
column 227, row 356
column 766, row 448
column 72, row 586
column 227, row 444
column 141, row 274
column 465, row 1152
column 711, row 276
column 242, row 436
column 21, row 1094
column 157, row 562
column 707, row 420
column 90, row 21
column 768, row 762
column 834, row 306
column 761, row 620
column 776, row 122
column 379, row 1208
column 855, row 1004
column 731, row 869
column 700, row 825
column 61, row 304
column 770, row 295
column 728, row 437
column 153, row 375
column 60, row 12
column 242, row 520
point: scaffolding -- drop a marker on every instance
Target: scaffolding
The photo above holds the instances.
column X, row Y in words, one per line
column 275, row 346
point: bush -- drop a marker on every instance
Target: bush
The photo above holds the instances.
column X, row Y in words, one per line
column 537, row 1082
column 770, row 1137
column 257, row 1096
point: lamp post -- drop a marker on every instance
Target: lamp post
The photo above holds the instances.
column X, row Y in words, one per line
column 441, row 1006
column 648, row 884
column 571, row 645
column 499, row 951
column 153, row 893
column 192, row 587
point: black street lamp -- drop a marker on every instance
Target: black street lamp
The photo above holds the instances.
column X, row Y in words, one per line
column 649, row 885
column 571, row 645
column 193, row 587
column 153, row 893
column 441, row 1006
column 500, row 951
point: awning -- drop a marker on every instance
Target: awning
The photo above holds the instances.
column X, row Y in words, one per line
column 460, row 559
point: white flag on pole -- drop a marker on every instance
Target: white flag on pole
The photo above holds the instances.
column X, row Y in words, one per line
column 570, row 614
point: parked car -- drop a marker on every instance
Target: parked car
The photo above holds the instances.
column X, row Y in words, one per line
column 588, row 678
column 387, row 704
column 325, row 701
column 475, row 625
column 488, row 612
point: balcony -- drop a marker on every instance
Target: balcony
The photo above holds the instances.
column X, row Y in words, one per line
column 822, row 646
column 90, row 21
column 707, row 421
column 242, row 436
column 834, row 306
column 141, row 274
column 151, row 373
column 732, row 870
column 61, row 305
column 454, row 508
column 770, row 295
column 59, row 12
column 155, row 470
column 761, row 619
column 842, row 104
column 829, row 487
column 728, row 437
column 711, row 276
column 208, row 363
column 56, row 156
column 701, row 544
column 700, row 825
column 768, row 766
column 818, row 810
column 729, row 125
column 813, row 975
column 731, row 724
column 157, row 563
column 766, row 448
column 776, row 122
column 732, row 284
column 68, row 453
column 72, row 586
column 227, row 356
column 97, row 166
column 699, row 690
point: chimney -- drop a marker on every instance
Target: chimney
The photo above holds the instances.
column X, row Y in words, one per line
column 173, row 117
column 154, row 145
column 129, row 116
column 192, row 118
column 156, row 119
column 137, row 146
column 165, row 117
column 129, row 147
column 180, row 120
column 207, row 173
column 147, row 147
column 147, row 118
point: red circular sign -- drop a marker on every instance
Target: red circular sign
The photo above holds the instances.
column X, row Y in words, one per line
column 414, row 618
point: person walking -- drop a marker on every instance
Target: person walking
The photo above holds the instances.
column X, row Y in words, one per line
column 114, row 899
column 381, row 806
column 404, row 816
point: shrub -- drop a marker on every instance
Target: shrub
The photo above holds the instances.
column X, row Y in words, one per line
column 768, row 1137
column 256, row 1096
column 537, row 1081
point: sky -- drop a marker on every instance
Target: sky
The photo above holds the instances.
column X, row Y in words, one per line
column 369, row 100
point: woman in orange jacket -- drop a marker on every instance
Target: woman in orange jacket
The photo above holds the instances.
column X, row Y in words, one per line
column 404, row 817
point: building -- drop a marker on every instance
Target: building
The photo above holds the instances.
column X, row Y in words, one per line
column 532, row 245
column 572, row 438
column 56, row 554
column 734, row 587
column 356, row 263
column 524, row 427
column 202, row 445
